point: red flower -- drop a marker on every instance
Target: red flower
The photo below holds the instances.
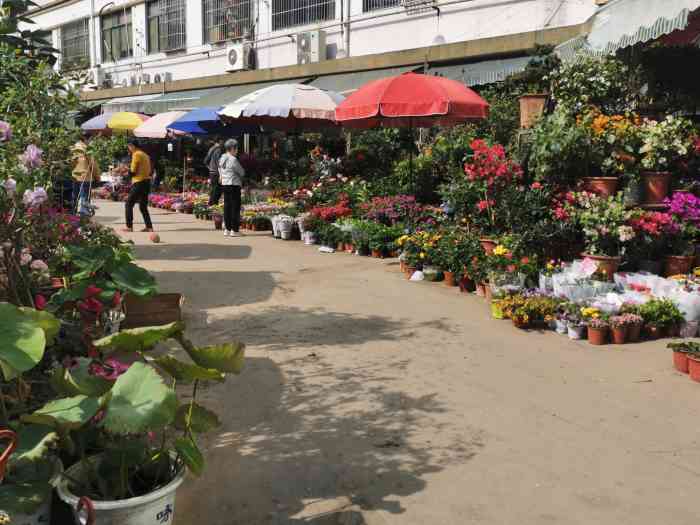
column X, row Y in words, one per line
column 40, row 302
column 92, row 290
column 510, row 268
column 509, row 256
column 536, row 186
column 117, row 299
column 525, row 260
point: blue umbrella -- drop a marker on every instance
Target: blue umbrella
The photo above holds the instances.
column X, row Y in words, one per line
column 206, row 121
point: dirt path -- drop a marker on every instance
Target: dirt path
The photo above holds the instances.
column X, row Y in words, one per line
column 404, row 403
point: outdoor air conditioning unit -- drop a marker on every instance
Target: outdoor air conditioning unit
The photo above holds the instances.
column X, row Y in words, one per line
column 167, row 77
column 95, row 78
column 157, row 79
column 145, row 78
column 238, row 56
column 133, row 81
column 311, row 47
column 125, row 82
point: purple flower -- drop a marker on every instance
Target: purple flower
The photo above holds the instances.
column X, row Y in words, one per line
column 685, row 206
column 35, row 198
column 10, row 186
column 5, row 131
column 31, row 158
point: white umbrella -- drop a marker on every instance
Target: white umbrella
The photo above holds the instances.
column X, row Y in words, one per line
column 157, row 127
column 285, row 106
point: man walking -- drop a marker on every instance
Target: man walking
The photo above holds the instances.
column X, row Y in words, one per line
column 211, row 161
column 232, row 174
column 140, row 172
column 84, row 173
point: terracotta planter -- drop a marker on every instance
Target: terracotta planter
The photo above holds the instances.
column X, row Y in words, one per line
column 520, row 324
column 654, row 332
column 603, row 186
column 680, row 361
column 619, row 334
column 410, row 270
column 488, row 293
column 488, row 245
column 634, row 333
column 481, row 290
column 531, row 108
column 606, row 265
column 678, row 264
column 340, row 247
column 694, row 367
column 377, row 254
column 349, row 247
column 449, row 278
column 598, row 336
column 402, row 266
column 655, row 185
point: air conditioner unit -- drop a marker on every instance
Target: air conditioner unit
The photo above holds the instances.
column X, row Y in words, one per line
column 145, row 78
column 238, row 56
column 157, row 78
column 311, row 47
column 95, row 78
column 133, row 81
column 125, row 82
column 167, row 77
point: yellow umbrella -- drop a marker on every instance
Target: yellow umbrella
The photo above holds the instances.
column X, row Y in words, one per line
column 126, row 120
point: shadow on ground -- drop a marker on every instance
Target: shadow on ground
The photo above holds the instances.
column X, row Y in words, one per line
column 191, row 252
column 306, row 431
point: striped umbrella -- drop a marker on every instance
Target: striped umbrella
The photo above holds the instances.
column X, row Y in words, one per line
column 126, row 121
column 158, row 126
column 97, row 124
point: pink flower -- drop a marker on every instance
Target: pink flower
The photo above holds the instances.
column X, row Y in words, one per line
column 510, row 268
column 536, row 186
column 39, row 266
column 92, row 290
column 110, row 370
column 525, row 260
column 5, row 131
column 40, row 302
column 31, row 158
column 117, row 299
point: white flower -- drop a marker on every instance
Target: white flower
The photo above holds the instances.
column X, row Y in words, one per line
column 10, row 186
column 39, row 266
column 25, row 257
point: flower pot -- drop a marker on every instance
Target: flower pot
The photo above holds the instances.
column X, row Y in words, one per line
column 634, row 333
column 678, row 265
column 619, row 334
column 449, row 278
column 309, row 238
column 560, row 327
column 402, row 266
column 488, row 292
column 520, row 324
column 340, row 247
column 654, row 332
column 349, row 247
column 575, row 332
column 633, row 194
column 655, row 185
column 218, row 222
column 680, row 361
column 531, row 108
column 653, row 267
column 602, row 186
column 597, row 336
column 377, row 254
column 496, row 310
column 606, row 265
column 161, row 308
column 489, row 245
column 694, row 367
column 689, row 329
column 154, row 508
column 674, row 330
column 481, row 290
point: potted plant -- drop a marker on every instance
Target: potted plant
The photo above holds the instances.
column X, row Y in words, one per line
column 561, row 317
column 659, row 316
column 634, row 321
column 652, row 230
column 136, row 437
column 680, row 354
column 681, row 249
column 664, row 144
column 576, row 327
column 598, row 329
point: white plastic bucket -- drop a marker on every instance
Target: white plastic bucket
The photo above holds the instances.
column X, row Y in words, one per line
column 309, row 238
column 155, row 508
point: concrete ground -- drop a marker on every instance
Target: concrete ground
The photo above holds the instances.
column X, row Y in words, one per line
column 371, row 400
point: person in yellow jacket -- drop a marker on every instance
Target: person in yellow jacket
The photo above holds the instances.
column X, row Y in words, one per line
column 84, row 172
column 140, row 170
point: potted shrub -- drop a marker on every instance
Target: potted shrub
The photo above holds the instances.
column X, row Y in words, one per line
column 576, row 327
column 634, row 320
column 598, row 329
column 561, row 317
column 137, row 438
column 659, row 316
column 664, row 144
column 652, row 230
column 680, row 354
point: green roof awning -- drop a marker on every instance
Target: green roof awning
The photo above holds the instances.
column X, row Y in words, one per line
column 346, row 83
column 184, row 100
column 481, row 73
column 227, row 95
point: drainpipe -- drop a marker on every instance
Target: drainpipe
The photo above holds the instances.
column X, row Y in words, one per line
column 93, row 57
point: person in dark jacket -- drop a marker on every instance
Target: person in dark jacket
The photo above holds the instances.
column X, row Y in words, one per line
column 211, row 161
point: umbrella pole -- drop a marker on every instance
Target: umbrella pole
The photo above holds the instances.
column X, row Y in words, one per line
column 410, row 157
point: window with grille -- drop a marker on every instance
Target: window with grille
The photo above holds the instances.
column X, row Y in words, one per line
column 166, row 25
column 117, row 40
column 226, row 19
column 290, row 13
column 375, row 5
column 75, row 48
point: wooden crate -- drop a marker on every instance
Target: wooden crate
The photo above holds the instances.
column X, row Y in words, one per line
column 160, row 309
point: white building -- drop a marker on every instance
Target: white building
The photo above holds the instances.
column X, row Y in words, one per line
column 146, row 49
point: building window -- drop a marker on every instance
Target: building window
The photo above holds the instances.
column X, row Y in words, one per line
column 75, row 48
column 375, row 5
column 117, row 40
column 226, row 19
column 290, row 13
column 166, row 25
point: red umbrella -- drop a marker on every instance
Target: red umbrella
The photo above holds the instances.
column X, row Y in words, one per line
column 412, row 100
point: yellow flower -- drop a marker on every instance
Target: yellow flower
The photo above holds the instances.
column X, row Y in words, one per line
column 500, row 250
column 550, row 266
column 422, row 255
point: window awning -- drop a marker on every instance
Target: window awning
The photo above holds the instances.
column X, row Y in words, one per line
column 179, row 100
column 624, row 23
column 227, row 95
column 346, row 83
column 135, row 103
column 481, row 73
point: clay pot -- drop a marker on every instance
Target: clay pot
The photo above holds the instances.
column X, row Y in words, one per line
column 680, row 361
column 655, row 185
column 606, row 265
column 634, row 333
column 619, row 334
column 410, row 270
column 349, row 247
column 488, row 245
column 402, row 266
column 488, row 293
column 377, row 254
column 678, row 264
column 449, row 278
column 531, row 108
column 603, row 186
column 340, row 247
column 694, row 367
column 597, row 336
column 654, row 332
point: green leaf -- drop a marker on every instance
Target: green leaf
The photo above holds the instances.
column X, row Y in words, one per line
column 46, row 321
column 23, row 498
column 139, row 339
column 227, row 358
column 191, row 455
column 201, row 420
column 68, row 412
column 33, row 444
column 22, row 341
column 134, row 279
column 78, row 380
column 186, row 372
column 140, row 402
